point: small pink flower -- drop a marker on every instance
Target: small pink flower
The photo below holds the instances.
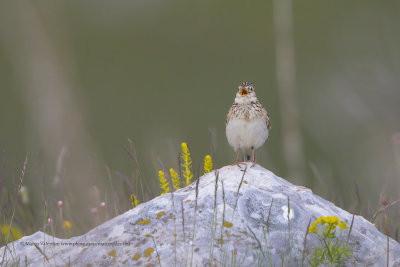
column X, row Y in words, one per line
column 396, row 139
column 385, row 202
column 59, row 204
column 49, row 221
column 103, row 205
column 94, row 210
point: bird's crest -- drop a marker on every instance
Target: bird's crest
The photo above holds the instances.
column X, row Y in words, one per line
column 245, row 84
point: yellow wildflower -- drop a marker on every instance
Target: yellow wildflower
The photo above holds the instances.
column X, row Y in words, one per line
column 186, row 164
column 175, row 179
column 163, row 183
column 67, row 224
column 331, row 223
column 342, row 225
column 207, row 164
column 15, row 233
column 134, row 200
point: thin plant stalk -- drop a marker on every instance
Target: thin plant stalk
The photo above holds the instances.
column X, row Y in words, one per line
column 112, row 189
column 194, row 219
column 237, row 193
column 16, row 204
column 223, row 215
column 351, row 228
column 173, row 208
column 304, row 243
column 387, row 236
column 214, row 226
column 155, row 246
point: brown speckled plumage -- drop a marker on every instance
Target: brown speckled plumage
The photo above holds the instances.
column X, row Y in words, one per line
column 248, row 112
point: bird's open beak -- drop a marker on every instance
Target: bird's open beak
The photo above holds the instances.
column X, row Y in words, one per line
column 244, row 92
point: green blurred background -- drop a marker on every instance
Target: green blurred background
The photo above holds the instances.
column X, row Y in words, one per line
column 78, row 78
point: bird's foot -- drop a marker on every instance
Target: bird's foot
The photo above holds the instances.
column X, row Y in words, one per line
column 254, row 163
column 237, row 163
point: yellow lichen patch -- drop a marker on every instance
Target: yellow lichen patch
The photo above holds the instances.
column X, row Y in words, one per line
column 124, row 261
column 219, row 241
column 245, row 182
column 188, row 200
column 160, row 214
column 148, row 236
column 112, row 253
column 147, row 221
column 136, row 257
column 227, row 224
column 148, row 252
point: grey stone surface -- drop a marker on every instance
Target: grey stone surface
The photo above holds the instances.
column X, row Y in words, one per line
column 148, row 231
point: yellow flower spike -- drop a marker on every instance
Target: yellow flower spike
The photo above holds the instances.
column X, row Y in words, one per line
column 134, row 200
column 175, row 179
column 67, row 224
column 207, row 164
column 186, row 163
column 163, row 183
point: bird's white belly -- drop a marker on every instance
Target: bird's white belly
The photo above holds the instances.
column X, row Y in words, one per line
column 242, row 134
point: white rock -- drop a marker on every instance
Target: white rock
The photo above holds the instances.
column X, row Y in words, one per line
column 116, row 242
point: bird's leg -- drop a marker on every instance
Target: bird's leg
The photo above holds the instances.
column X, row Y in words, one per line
column 237, row 156
column 253, row 156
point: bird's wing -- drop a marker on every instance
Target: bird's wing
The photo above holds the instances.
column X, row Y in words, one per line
column 231, row 113
column 264, row 114
column 268, row 121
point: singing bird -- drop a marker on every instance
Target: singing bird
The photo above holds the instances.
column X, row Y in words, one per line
column 247, row 123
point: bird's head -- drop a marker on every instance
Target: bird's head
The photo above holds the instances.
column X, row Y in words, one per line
column 246, row 93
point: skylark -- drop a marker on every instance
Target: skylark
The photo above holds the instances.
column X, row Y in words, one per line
column 247, row 123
